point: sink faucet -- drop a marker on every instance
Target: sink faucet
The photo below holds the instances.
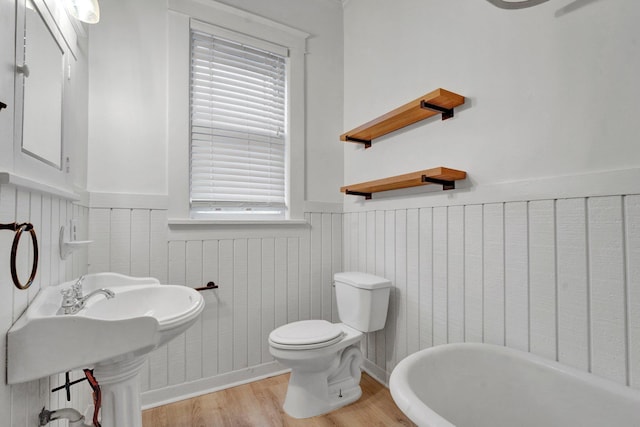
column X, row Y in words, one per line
column 73, row 301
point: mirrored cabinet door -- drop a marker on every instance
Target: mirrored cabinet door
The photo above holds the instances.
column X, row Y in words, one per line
column 42, row 60
column 42, row 75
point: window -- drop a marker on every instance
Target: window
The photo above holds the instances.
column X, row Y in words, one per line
column 237, row 128
column 244, row 37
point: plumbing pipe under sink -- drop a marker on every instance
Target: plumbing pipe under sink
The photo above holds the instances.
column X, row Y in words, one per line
column 76, row 419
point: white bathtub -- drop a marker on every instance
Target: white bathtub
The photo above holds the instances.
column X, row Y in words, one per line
column 482, row 385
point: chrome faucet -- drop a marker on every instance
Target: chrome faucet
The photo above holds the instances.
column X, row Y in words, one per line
column 73, row 301
column 80, row 302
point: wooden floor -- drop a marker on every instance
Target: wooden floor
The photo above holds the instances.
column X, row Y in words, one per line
column 260, row 404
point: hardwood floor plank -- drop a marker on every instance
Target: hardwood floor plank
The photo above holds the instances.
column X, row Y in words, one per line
column 259, row 404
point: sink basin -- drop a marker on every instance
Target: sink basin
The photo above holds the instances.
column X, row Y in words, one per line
column 142, row 316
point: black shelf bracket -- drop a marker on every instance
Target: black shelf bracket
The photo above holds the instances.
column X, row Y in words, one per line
column 446, row 185
column 447, row 113
column 2, row 105
column 366, row 142
column 367, row 196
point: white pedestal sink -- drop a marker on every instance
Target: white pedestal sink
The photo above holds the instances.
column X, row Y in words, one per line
column 112, row 336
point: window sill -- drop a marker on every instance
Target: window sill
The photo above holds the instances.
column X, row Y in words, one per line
column 179, row 223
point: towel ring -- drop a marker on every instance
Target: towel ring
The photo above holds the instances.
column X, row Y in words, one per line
column 19, row 228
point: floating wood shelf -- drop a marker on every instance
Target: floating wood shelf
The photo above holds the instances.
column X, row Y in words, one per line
column 439, row 101
column 443, row 176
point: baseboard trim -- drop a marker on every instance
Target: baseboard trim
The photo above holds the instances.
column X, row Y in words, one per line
column 175, row 393
column 376, row 372
column 171, row 394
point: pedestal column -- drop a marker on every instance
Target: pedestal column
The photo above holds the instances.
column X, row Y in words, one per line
column 120, row 388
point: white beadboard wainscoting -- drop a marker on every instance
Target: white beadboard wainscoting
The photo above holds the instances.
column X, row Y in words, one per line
column 21, row 403
column 559, row 278
column 268, row 275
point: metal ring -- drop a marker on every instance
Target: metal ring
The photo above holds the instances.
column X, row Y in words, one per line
column 14, row 252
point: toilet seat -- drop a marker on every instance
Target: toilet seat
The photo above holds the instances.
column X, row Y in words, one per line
column 306, row 335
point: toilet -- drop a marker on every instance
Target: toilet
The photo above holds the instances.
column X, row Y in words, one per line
column 325, row 357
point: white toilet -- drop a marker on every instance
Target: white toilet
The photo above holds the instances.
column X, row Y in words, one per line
column 325, row 357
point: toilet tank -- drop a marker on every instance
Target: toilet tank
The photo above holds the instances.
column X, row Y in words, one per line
column 362, row 300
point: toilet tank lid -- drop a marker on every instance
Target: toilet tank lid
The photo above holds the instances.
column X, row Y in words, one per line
column 362, row 280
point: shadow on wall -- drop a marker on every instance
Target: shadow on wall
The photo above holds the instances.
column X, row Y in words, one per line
column 524, row 4
column 505, row 4
column 573, row 6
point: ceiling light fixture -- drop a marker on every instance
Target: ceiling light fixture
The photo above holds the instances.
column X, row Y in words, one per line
column 84, row 10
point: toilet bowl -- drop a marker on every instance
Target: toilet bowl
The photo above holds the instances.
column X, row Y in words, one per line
column 324, row 357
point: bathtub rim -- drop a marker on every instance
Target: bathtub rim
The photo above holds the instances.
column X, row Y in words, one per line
column 415, row 409
column 406, row 400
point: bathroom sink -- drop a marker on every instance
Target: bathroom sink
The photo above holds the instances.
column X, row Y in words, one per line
column 142, row 316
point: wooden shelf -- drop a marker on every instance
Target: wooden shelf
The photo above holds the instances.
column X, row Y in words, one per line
column 443, row 176
column 440, row 101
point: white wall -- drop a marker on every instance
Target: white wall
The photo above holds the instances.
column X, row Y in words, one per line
column 551, row 91
column 128, row 103
column 128, row 97
column 537, row 249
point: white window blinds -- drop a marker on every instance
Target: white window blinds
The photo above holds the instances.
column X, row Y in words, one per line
column 237, row 126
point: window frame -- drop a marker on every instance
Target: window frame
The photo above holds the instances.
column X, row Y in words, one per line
column 182, row 13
